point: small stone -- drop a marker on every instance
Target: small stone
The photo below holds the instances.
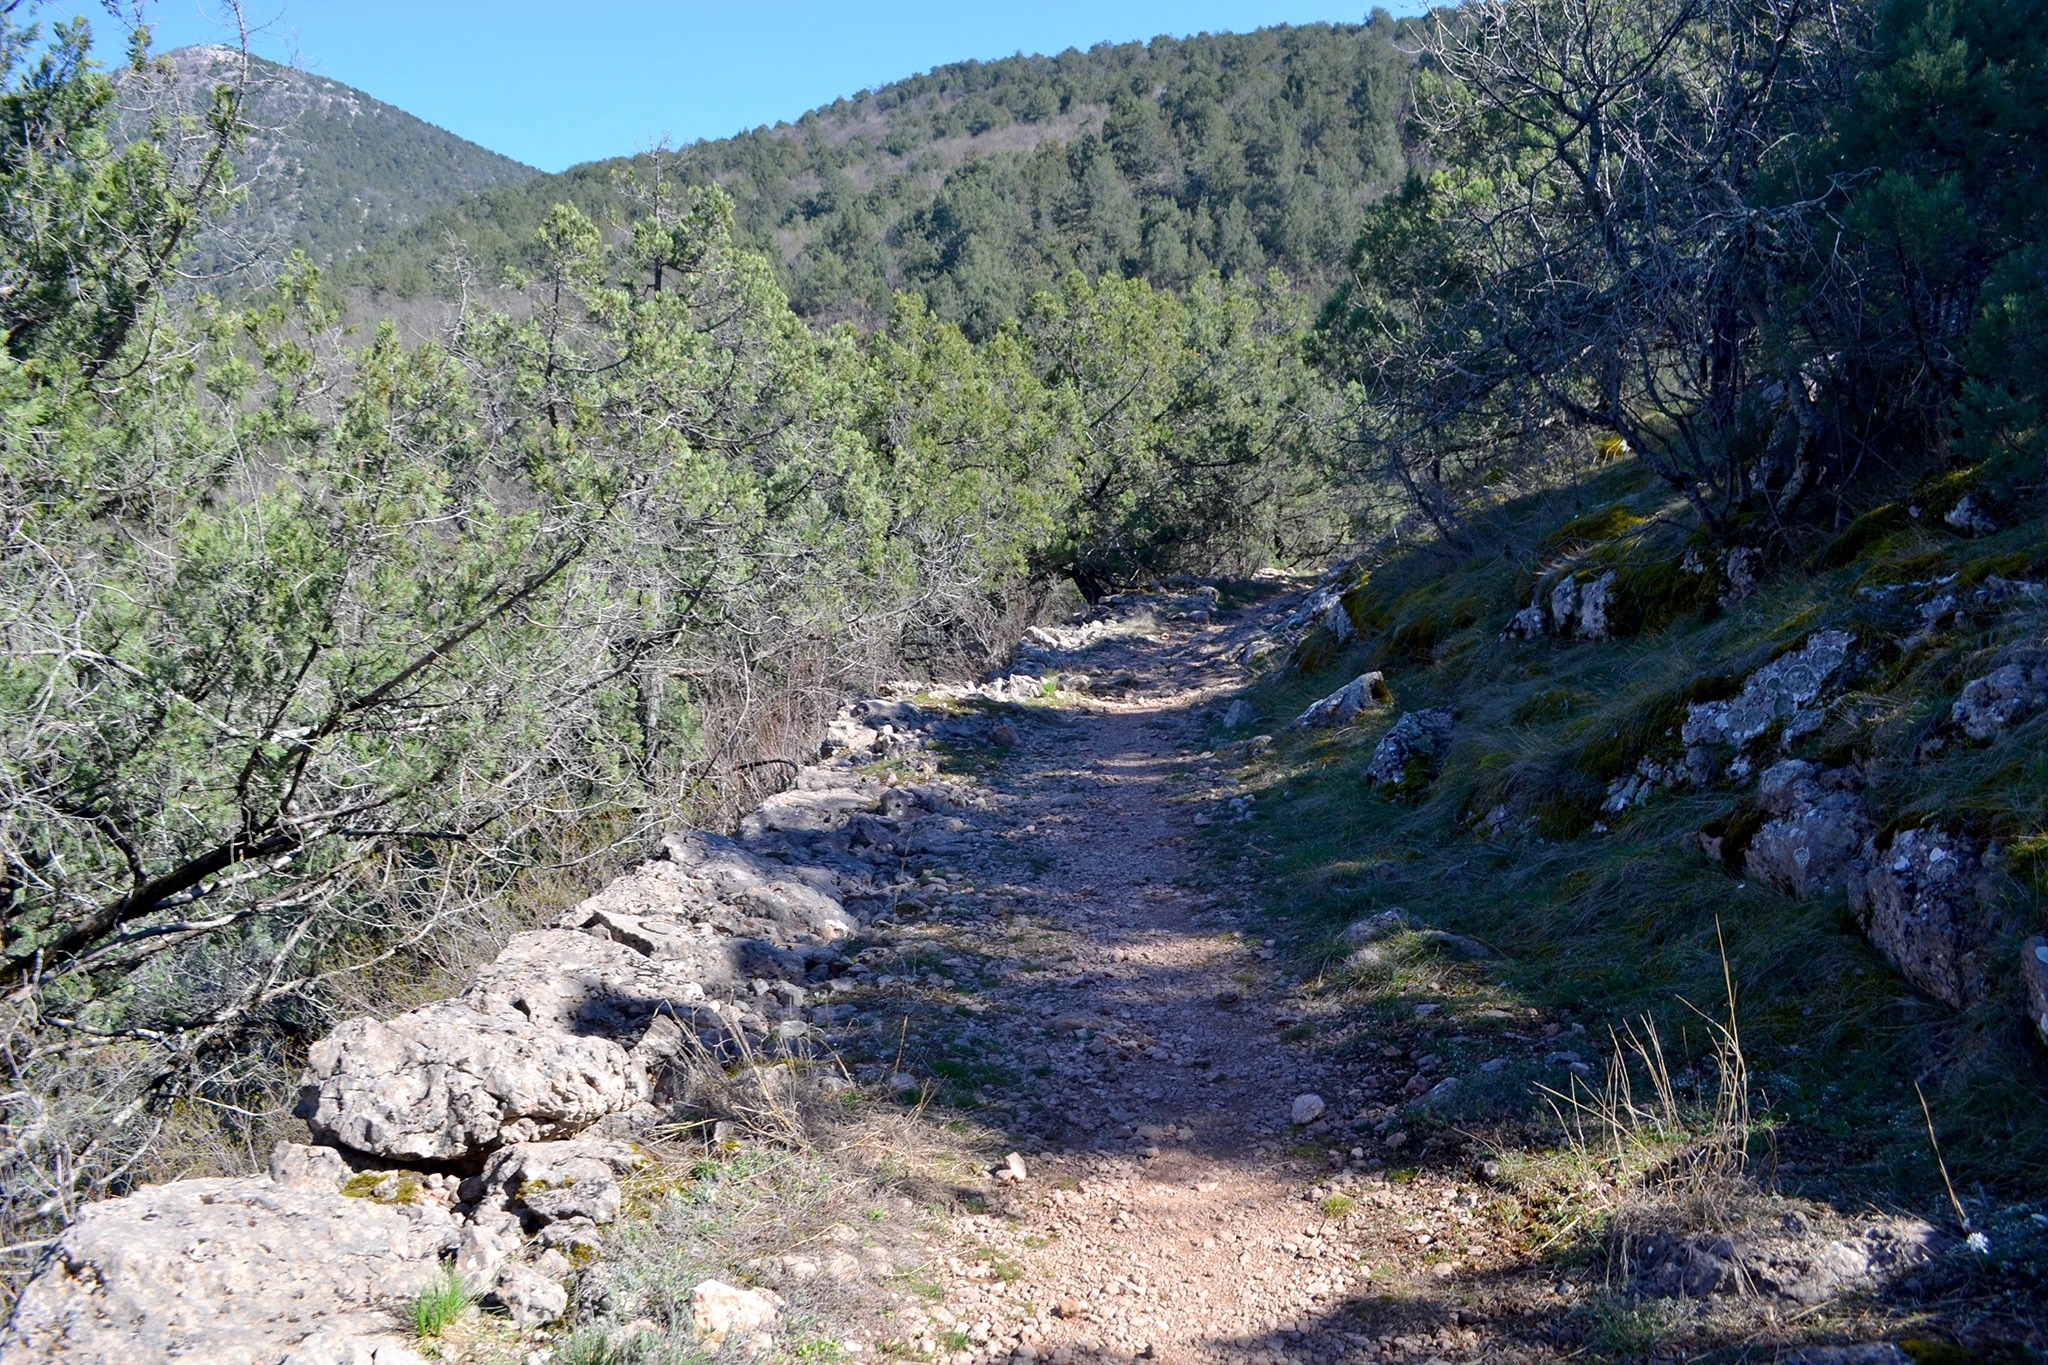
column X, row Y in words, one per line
column 1004, row 736
column 1307, row 1109
column 1012, row 1169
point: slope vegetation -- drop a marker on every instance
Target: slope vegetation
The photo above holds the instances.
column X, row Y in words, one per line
column 327, row 169
column 980, row 181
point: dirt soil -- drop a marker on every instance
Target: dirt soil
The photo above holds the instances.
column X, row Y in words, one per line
column 1217, row 1164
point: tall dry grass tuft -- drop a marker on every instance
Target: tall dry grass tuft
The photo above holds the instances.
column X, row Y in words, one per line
column 1666, row 1152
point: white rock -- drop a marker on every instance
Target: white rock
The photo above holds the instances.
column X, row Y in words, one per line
column 1307, row 1109
column 530, row 1297
column 241, row 1271
column 1348, row 702
column 308, row 1168
column 717, row 1310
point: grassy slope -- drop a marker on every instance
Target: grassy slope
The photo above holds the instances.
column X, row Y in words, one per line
column 1609, row 924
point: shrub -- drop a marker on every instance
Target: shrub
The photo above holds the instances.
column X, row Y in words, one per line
column 439, row 1303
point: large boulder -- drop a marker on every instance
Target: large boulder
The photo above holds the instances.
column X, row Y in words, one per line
column 1785, row 690
column 448, row 1083
column 1418, row 738
column 1813, row 840
column 241, row 1271
column 1924, row 904
column 1363, row 693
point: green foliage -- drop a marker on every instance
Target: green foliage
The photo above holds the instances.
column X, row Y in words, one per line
column 978, row 184
column 1570, row 270
column 323, row 169
column 440, row 1303
column 89, row 227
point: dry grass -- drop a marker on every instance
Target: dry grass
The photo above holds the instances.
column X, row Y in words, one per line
column 1652, row 1151
column 776, row 1172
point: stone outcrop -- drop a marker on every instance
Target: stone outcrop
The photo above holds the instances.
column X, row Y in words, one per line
column 528, row 1081
column 1788, row 1262
column 1787, row 690
column 1924, row 903
column 1575, row 608
column 2034, row 973
column 245, row 1271
column 1363, row 693
column 1814, row 837
column 446, row 1083
column 1961, row 608
column 1418, row 738
column 2008, row 694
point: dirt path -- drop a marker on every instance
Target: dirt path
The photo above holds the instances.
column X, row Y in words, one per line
column 1173, row 1209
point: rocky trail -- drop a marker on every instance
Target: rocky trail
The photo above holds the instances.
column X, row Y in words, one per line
column 1020, row 914
column 1167, row 1122
column 1215, row 1162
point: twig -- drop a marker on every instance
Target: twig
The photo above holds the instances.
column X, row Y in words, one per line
column 1935, row 1143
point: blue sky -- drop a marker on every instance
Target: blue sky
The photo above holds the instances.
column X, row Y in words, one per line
column 557, row 83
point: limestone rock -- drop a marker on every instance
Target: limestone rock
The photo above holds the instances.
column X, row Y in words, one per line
column 1348, row 702
column 1579, row 609
column 1306, row 1109
column 230, row 1271
column 1596, row 598
column 557, row 1181
column 532, row 1299
column 1784, row 690
column 1373, row 928
column 1995, row 596
column 2004, row 696
column 1416, row 735
column 743, row 879
column 1239, row 715
column 1530, row 623
column 1922, row 904
column 446, row 1083
column 1812, row 1272
column 1814, row 840
column 1337, row 621
column 719, row 1310
column 482, row 1250
column 2034, row 972
column 1969, row 517
column 581, row 983
column 846, row 735
column 299, row 1167
column 349, row 1348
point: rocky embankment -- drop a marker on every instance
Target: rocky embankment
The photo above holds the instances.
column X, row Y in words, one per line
column 493, row 1132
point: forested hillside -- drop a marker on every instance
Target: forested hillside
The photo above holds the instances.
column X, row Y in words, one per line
column 324, row 168
column 979, row 182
